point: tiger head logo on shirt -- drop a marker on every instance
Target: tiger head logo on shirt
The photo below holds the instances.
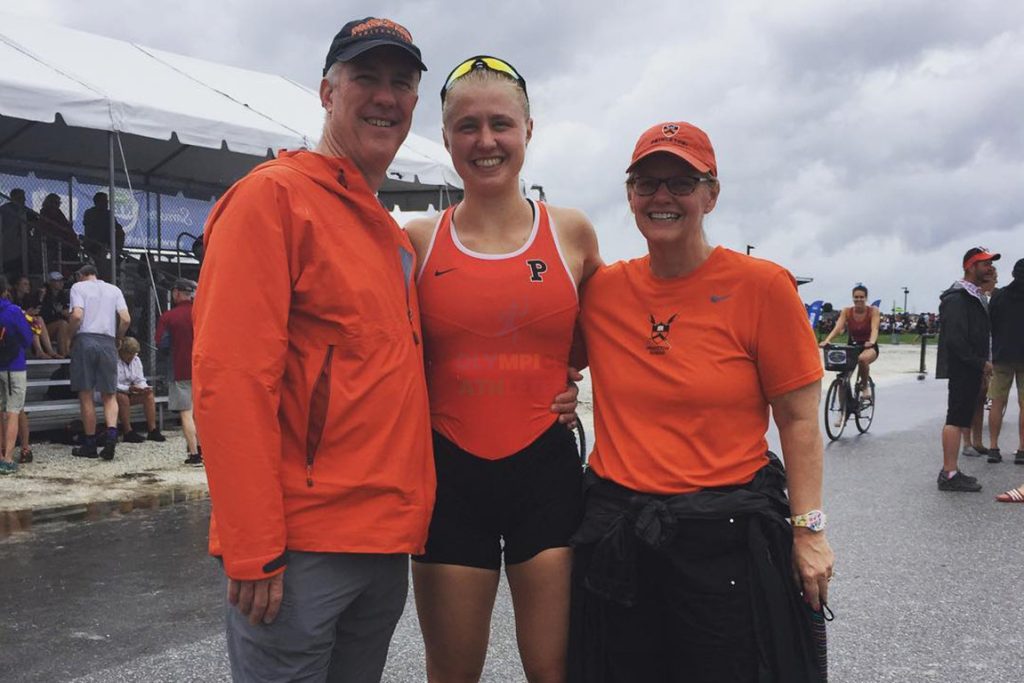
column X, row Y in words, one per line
column 658, row 342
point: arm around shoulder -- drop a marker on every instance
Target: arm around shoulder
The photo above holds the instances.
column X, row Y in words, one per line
column 578, row 238
column 421, row 231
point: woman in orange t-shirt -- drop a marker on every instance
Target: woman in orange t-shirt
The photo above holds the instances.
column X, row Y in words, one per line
column 497, row 285
column 685, row 561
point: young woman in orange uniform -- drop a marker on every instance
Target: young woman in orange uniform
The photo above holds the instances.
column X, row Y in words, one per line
column 498, row 292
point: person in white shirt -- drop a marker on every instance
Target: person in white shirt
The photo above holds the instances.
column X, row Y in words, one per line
column 99, row 319
column 132, row 389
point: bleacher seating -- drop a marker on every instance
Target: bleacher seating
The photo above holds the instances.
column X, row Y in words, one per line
column 49, row 413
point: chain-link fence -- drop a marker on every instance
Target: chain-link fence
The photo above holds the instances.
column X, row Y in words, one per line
column 43, row 230
column 150, row 220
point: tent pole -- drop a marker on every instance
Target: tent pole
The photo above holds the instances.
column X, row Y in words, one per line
column 159, row 229
column 110, row 208
column 71, row 222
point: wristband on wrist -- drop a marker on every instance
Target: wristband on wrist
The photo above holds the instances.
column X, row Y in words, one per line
column 812, row 520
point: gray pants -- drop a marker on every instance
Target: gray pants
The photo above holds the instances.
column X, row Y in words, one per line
column 337, row 617
column 94, row 363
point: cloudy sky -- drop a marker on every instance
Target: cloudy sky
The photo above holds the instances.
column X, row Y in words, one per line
column 862, row 141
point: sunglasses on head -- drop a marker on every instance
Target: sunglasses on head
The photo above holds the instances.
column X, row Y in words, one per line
column 482, row 62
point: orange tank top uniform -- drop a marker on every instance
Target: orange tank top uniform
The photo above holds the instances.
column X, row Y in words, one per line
column 497, row 329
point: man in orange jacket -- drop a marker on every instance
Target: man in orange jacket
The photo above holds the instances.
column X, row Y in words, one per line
column 309, row 388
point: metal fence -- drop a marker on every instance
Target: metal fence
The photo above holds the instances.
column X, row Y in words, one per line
column 151, row 220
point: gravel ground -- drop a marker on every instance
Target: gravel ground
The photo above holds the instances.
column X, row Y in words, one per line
column 56, row 479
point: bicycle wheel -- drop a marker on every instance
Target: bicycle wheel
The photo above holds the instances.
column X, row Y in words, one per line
column 865, row 412
column 835, row 409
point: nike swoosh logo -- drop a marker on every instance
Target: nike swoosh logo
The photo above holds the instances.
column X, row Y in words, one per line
column 715, row 298
column 442, row 272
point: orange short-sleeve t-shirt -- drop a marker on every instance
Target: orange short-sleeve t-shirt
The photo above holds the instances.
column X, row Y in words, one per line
column 683, row 369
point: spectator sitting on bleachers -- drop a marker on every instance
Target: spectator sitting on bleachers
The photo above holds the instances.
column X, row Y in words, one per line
column 15, row 219
column 15, row 338
column 27, row 299
column 55, row 310
column 132, row 389
column 54, row 225
column 96, row 225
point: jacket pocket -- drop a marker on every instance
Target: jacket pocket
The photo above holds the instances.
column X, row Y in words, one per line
column 318, row 403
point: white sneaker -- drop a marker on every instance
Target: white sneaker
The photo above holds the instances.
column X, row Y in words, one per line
column 971, row 452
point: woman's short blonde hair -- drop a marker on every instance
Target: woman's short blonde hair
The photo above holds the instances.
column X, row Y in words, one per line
column 129, row 346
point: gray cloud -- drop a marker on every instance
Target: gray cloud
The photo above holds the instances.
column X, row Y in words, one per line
column 857, row 142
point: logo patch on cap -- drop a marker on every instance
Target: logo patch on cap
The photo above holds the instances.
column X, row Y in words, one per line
column 669, row 129
column 381, row 26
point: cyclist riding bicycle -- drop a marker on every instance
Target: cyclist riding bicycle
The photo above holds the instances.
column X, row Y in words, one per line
column 861, row 321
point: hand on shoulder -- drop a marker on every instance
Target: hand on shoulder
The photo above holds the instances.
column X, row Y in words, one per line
column 578, row 238
column 420, row 231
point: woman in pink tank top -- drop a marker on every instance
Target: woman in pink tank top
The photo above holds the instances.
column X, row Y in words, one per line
column 497, row 282
column 861, row 322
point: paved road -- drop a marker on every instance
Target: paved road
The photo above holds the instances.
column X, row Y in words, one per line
column 927, row 586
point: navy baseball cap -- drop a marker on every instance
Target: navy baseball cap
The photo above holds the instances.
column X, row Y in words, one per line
column 356, row 37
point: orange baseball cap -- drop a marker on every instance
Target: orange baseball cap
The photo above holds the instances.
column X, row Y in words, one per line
column 976, row 254
column 684, row 140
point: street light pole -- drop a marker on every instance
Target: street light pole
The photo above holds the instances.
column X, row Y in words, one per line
column 905, row 293
column 892, row 330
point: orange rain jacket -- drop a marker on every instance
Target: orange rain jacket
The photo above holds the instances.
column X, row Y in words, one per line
column 308, row 371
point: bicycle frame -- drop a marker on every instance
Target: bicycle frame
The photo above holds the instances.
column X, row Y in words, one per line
column 841, row 403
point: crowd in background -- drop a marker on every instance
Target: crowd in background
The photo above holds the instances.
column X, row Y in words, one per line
column 890, row 323
column 45, row 241
column 30, row 238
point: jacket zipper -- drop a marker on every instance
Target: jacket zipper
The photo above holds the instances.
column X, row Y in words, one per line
column 412, row 325
column 318, row 413
column 407, row 280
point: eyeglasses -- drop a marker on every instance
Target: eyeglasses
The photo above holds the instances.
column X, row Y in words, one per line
column 482, row 62
column 680, row 185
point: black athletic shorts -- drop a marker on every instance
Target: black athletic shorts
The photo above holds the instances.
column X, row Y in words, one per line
column 876, row 347
column 520, row 505
column 964, row 391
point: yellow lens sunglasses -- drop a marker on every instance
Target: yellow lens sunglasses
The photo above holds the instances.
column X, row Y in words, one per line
column 482, row 62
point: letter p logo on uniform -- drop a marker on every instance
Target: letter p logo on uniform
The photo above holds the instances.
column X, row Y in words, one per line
column 537, row 269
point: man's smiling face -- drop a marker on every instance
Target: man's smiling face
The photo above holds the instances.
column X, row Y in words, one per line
column 369, row 106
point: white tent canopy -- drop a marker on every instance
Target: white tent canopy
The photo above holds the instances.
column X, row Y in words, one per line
column 180, row 122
